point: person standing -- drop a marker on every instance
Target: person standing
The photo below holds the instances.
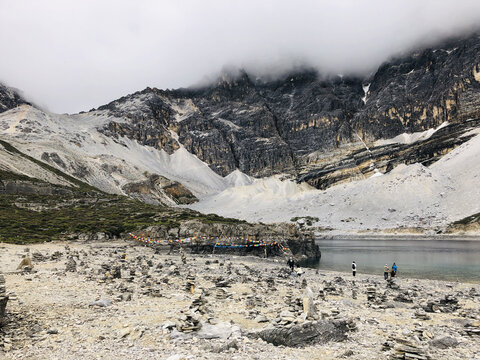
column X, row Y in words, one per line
column 354, row 268
column 394, row 270
column 385, row 271
column 291, row 263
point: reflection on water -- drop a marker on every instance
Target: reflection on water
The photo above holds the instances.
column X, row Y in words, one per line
column 433, row 259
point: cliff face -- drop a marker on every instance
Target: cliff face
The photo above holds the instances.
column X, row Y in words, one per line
column 303, row 121
column 258, row 128
column 423, row 90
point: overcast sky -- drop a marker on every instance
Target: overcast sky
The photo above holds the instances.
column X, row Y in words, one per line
column 69, row 56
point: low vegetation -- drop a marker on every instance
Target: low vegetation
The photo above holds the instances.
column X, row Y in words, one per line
column 33, row 218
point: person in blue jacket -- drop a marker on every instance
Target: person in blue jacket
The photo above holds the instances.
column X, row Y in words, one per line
column 394, row 270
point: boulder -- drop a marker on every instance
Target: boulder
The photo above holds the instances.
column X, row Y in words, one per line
column 444, row 342
column 319, row 332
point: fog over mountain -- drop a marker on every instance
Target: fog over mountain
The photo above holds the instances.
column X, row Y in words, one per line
column 70, row 56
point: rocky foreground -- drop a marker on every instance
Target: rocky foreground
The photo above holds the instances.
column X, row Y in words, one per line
column 123, row 300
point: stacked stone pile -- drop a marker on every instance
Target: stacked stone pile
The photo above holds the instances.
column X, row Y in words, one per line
column 199, row 304
column 71, row 265
column 190, row 285
column 188, row 322
column 371, row 294
column 404, row 349
column 473, row 328
column 448, row 304
column 332, row 289
column 254, row 301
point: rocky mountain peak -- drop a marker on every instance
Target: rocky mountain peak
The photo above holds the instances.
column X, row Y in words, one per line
column 9, row 98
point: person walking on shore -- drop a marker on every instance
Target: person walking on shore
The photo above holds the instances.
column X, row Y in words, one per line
column 394, row 270
column 354, row 268
column 386, row 270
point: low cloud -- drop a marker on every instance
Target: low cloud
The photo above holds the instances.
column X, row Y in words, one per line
column 75, row 55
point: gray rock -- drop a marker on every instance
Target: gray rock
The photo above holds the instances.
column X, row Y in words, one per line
column 218, row 331
column 101, row 303
column 319, row 332
column 444, row 342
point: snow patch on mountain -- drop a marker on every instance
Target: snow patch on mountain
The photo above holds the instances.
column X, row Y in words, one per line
column 410, row 138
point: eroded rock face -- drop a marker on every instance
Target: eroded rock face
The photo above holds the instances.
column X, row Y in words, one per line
column 299, row 122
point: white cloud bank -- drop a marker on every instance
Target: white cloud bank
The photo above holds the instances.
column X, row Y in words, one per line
column 74, row 55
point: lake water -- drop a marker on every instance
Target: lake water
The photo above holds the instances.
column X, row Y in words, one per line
column 432, row 259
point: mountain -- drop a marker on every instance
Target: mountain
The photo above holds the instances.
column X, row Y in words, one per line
column 255, row 149
column 266, row 128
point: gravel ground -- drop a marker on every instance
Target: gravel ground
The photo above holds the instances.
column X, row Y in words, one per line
column 123, row 300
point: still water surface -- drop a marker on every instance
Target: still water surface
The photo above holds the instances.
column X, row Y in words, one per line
column 432, row 259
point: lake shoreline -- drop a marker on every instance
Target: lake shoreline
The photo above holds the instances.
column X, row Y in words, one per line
column 453, row 259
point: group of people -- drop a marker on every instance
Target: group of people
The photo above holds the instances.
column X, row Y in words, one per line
column 392, row 272
column 386, row 270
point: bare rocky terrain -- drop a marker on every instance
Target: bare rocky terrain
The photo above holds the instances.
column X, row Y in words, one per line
column 123, row 300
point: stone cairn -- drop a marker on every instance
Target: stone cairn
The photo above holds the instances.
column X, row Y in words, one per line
column 3, row 298
column 421, row 314
column 254, row 301
column 473, row 328
column 199, row 304
column 71, row 265
column 39, row 257
column 404, row 349
column 116, row 272
column 271, row 284
column 190, row 286
column 293, row 308
column 371, row 294
column 446, row 305
column 221, row 284
column 188, row 322
column 321, row 294
column 331, row 289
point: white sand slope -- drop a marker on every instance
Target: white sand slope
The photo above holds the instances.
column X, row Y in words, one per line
column 408, row 196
